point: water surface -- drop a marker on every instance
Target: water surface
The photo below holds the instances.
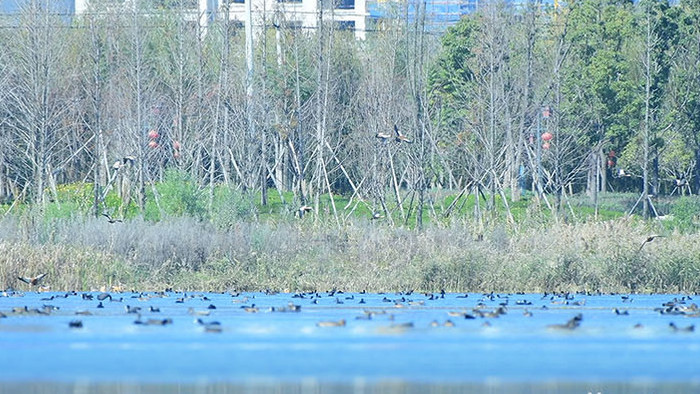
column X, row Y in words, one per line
column 391, row 341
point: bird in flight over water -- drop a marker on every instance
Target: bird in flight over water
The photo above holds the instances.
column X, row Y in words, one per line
column 32, row 280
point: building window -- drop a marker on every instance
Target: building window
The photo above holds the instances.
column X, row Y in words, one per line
column 293, row 25
column 345, row 4
column 235, row 27
column 345, row 25
column 175, row 4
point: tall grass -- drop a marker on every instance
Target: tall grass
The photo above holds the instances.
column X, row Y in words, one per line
column 83, row 253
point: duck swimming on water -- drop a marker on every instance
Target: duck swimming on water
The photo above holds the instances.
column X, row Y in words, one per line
column 572, row 324
column 675, row 328
column 339, row 323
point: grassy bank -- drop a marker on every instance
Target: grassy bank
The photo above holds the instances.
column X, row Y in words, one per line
column 83, row 253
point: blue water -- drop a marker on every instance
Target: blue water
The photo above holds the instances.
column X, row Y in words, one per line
column 291, row 347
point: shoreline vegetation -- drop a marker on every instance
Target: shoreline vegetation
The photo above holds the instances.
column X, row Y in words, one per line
column 292, row 254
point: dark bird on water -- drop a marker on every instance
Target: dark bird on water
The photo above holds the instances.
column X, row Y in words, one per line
column 133, row 309
column 209, row 323
column 675, row 328
column 570, row 325
column 75, row 324
column 211, row 326
column 32, row 280
column 153, row 322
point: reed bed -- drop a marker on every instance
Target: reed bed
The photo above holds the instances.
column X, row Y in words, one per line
column 183, row 253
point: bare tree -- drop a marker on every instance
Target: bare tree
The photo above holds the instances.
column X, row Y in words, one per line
column 35, row 105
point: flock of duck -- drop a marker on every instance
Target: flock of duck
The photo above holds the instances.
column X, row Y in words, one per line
column 355, row 307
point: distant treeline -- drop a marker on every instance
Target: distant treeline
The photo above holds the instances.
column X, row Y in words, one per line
column 592, row 96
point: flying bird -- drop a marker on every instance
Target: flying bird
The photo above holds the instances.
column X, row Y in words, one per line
column 126, row 160
column 304, row 209
column 400, row 137
column 32, row 280
column 384, row 137
column 649, row 239
column 110, row 219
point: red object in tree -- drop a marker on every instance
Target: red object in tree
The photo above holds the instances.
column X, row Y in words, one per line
column 545, row 145
column 153, row 134
column 611, row 163
column 176, row 145
column 611, row 153
column 176, row 154
column 546, row 136
column 152, row 144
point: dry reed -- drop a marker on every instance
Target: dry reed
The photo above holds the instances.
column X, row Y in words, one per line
column 187, row 254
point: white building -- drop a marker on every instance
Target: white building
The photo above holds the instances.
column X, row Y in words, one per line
column 344, row 14
column 359, row 16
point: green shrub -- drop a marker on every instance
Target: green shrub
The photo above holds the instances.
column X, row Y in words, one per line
column 232, row 206
column 686, row 213
column 179, row 195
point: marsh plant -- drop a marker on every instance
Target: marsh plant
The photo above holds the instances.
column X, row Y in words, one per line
column 84, row 253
